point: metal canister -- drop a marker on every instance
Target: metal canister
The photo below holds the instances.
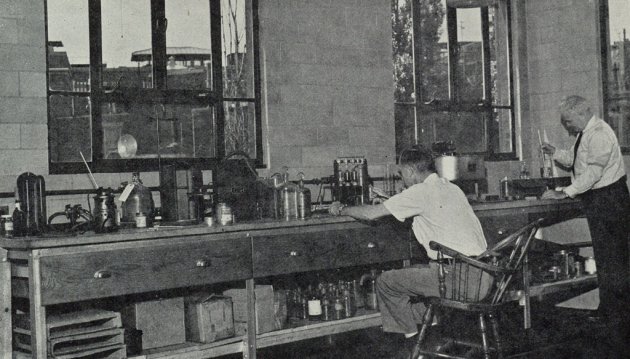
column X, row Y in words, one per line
column 303, row 203
column 224, row 214
column 565, row 263
column 590, row 266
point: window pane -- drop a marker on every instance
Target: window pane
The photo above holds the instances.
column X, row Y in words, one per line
column 402, row 40
column 70, row 128
column 126, row 29
column 469, row 79
column 237, row 47
column 432, row 42
column 467, row 130
column 499, row 56
column 405, row 117
column 240, row 127
column 618, row 98
column 68, row 46
column 143, row 130
column 188, row 44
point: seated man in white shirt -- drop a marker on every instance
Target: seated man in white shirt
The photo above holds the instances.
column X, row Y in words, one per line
column 440, row 213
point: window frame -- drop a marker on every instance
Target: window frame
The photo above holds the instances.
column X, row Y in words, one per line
column 158, row 94
column 455, row 104
column 605, row 58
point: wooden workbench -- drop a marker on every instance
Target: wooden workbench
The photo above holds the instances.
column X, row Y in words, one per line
column 55, row 270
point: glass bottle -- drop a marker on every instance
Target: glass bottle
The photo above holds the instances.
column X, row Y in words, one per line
column 19, row 219
column 314, row 306
column 7, row 225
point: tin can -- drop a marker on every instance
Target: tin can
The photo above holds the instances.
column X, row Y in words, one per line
column 209, row 221
column 224, row 214
column 141, row 220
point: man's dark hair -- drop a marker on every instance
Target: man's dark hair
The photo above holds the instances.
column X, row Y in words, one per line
column 419, row 157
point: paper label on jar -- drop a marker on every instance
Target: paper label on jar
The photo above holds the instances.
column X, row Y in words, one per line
column 126, row 192
column 8, row 226
column 314, row 307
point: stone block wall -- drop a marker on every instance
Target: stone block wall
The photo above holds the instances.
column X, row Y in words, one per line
column 327, row 67
column 563, row 52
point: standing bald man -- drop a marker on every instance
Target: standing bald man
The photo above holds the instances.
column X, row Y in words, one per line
column 599, row 181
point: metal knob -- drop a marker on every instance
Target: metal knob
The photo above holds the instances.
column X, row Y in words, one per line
column 203, row 263
column 371, row 245
column 294, row 254
column 102, row 274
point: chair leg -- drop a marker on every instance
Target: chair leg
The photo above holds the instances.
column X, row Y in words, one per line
column 427, row 319
column 497, row 338
column 484, row 336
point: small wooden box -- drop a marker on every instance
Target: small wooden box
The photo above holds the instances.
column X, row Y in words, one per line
column 161, row 321
column 209, row 318
column 265, row 321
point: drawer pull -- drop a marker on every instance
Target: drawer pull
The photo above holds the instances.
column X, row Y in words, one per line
column 294, row 254
column 203, row 263
column 102, row 274
column 371, row 245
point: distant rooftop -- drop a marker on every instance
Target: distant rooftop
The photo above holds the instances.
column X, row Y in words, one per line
column 178, row 53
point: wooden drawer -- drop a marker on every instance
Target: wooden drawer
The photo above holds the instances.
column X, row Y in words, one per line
column 104, row 271
column 498, row 227
column 315, row 250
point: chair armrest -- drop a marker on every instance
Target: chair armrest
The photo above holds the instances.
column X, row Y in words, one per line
column 464, row 258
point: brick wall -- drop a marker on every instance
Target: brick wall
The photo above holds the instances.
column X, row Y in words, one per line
column 563, row 59
column 329, row 85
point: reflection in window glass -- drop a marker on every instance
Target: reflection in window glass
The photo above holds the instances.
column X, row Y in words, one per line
column 433, row 45
column 237, row 47
column 469, row 79
column 499, row 57
column 166, row 131
column 126, row 29
column 70, row 128
column 240, row 127
column 618, row 79
column 188, row 44
column 402, row 41
column 68, row 46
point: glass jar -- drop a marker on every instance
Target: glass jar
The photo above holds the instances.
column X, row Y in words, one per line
column 6, row 221
column 141, row 220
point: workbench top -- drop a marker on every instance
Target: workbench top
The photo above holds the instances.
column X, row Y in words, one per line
column 482, row 209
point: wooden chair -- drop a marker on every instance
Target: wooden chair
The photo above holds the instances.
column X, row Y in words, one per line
column 463, row 291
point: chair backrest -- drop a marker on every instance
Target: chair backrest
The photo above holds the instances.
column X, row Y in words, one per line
column 486, row 277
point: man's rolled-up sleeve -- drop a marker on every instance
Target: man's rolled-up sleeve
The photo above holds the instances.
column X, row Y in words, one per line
column 406, row 204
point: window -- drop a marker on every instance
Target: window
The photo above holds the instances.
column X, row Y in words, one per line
column 616, row 66
column 133, row 84
column 452, row 71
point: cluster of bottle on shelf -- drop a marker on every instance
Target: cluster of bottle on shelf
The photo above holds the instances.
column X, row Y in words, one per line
column 350, row 181
column 332, row 301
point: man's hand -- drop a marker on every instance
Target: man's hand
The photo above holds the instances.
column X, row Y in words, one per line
column 548, row 149
column 553, row 194
column 378, row 192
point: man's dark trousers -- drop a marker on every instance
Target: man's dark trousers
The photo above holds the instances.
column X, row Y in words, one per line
column 607, row 210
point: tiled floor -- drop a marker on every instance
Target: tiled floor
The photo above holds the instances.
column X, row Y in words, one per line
column 557, row 334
